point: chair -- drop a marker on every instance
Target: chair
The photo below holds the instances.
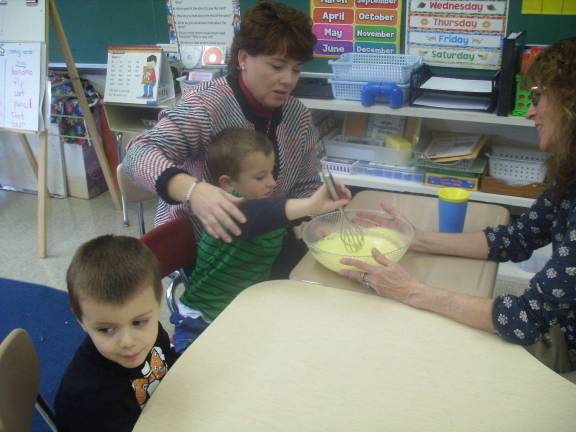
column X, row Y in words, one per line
column 134, row 193
column 174, row 245
column 20, row 384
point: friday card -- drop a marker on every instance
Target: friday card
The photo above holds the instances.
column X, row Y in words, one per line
column 138, row 75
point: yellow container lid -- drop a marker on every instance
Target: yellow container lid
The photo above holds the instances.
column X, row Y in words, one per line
column 452, row 194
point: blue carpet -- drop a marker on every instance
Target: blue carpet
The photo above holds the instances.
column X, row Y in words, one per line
column 44, row 313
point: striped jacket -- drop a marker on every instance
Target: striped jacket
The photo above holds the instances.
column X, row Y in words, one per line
column 179, row 141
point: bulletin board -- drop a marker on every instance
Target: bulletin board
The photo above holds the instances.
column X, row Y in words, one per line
column 92, row 25
column 540, row 29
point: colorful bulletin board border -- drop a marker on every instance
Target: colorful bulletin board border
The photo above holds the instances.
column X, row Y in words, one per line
column 453, row 33
column 359, row 26
column 549, row 7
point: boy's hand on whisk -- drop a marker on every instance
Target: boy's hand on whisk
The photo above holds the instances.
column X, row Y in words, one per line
column 321, row 201
column 318, row 203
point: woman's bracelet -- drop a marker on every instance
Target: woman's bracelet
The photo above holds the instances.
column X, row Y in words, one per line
column 189, row 193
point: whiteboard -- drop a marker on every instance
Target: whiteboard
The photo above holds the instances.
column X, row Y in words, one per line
column 20, row 21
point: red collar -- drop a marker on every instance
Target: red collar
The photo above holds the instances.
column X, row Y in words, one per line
column 259, row 109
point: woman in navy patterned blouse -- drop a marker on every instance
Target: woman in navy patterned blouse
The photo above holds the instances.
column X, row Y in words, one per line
column 550, row 298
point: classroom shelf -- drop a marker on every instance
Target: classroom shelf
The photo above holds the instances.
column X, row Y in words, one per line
column 409, row 111
column 127, row 118
column 387, row 184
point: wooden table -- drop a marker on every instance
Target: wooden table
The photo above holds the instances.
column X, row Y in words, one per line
column 291, row 356
column 466, row 275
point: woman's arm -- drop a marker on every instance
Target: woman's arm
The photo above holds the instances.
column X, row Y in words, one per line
column 469, row 245
column 466, row 309
column 163, row 158
column 390, row 279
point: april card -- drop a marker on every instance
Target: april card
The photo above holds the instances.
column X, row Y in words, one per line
column 138, row 74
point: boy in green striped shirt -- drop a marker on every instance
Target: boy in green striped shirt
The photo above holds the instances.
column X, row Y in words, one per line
column 241, row 161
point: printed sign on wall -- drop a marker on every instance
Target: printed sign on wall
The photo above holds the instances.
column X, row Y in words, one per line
column 360, row 26
column 454, row 33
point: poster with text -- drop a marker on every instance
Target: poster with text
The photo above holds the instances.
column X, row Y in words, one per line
column 200, row 22
column 358, row 26
column 453, row 33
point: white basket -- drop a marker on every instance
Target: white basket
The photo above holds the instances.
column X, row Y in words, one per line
column 374, row 67
column 517, row 166
column 339, row 165
column 352, row 90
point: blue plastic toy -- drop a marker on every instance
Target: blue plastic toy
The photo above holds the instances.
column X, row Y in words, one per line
column 372, row 90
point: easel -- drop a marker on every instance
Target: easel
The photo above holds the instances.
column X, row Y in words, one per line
column 40, row 169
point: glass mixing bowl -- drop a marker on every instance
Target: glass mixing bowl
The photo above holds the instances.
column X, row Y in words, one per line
column 391, row 235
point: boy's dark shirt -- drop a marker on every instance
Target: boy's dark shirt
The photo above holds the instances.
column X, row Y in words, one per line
column 97, row 394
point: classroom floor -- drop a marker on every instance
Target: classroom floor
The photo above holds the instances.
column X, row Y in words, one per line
column 71, row 222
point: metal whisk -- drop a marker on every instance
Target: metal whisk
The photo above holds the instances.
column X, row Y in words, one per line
column 351, row 234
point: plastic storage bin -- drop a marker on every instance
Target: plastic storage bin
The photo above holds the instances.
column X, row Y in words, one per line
column 406, row 173
column 352, row 90
column 394, row 68
column 517, row 166
column 339, row 165
column 342, row 146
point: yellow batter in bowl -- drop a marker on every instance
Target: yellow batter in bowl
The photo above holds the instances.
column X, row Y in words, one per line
column 330, row 249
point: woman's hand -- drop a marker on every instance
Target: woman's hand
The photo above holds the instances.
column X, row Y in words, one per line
column 217, row 210
column 387, row 278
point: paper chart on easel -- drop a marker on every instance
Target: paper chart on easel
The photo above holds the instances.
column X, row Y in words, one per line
column 21, row 85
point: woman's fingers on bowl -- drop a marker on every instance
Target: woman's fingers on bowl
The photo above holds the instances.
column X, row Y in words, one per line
column 374, row 219
column 388, row 208
column 356, row 263
column 354, row 275
column 380, row 257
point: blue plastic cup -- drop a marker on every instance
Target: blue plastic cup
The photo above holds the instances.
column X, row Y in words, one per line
column 452, row 205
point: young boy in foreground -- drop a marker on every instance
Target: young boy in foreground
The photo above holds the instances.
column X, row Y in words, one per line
column 115, row 291
column 241, row 161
